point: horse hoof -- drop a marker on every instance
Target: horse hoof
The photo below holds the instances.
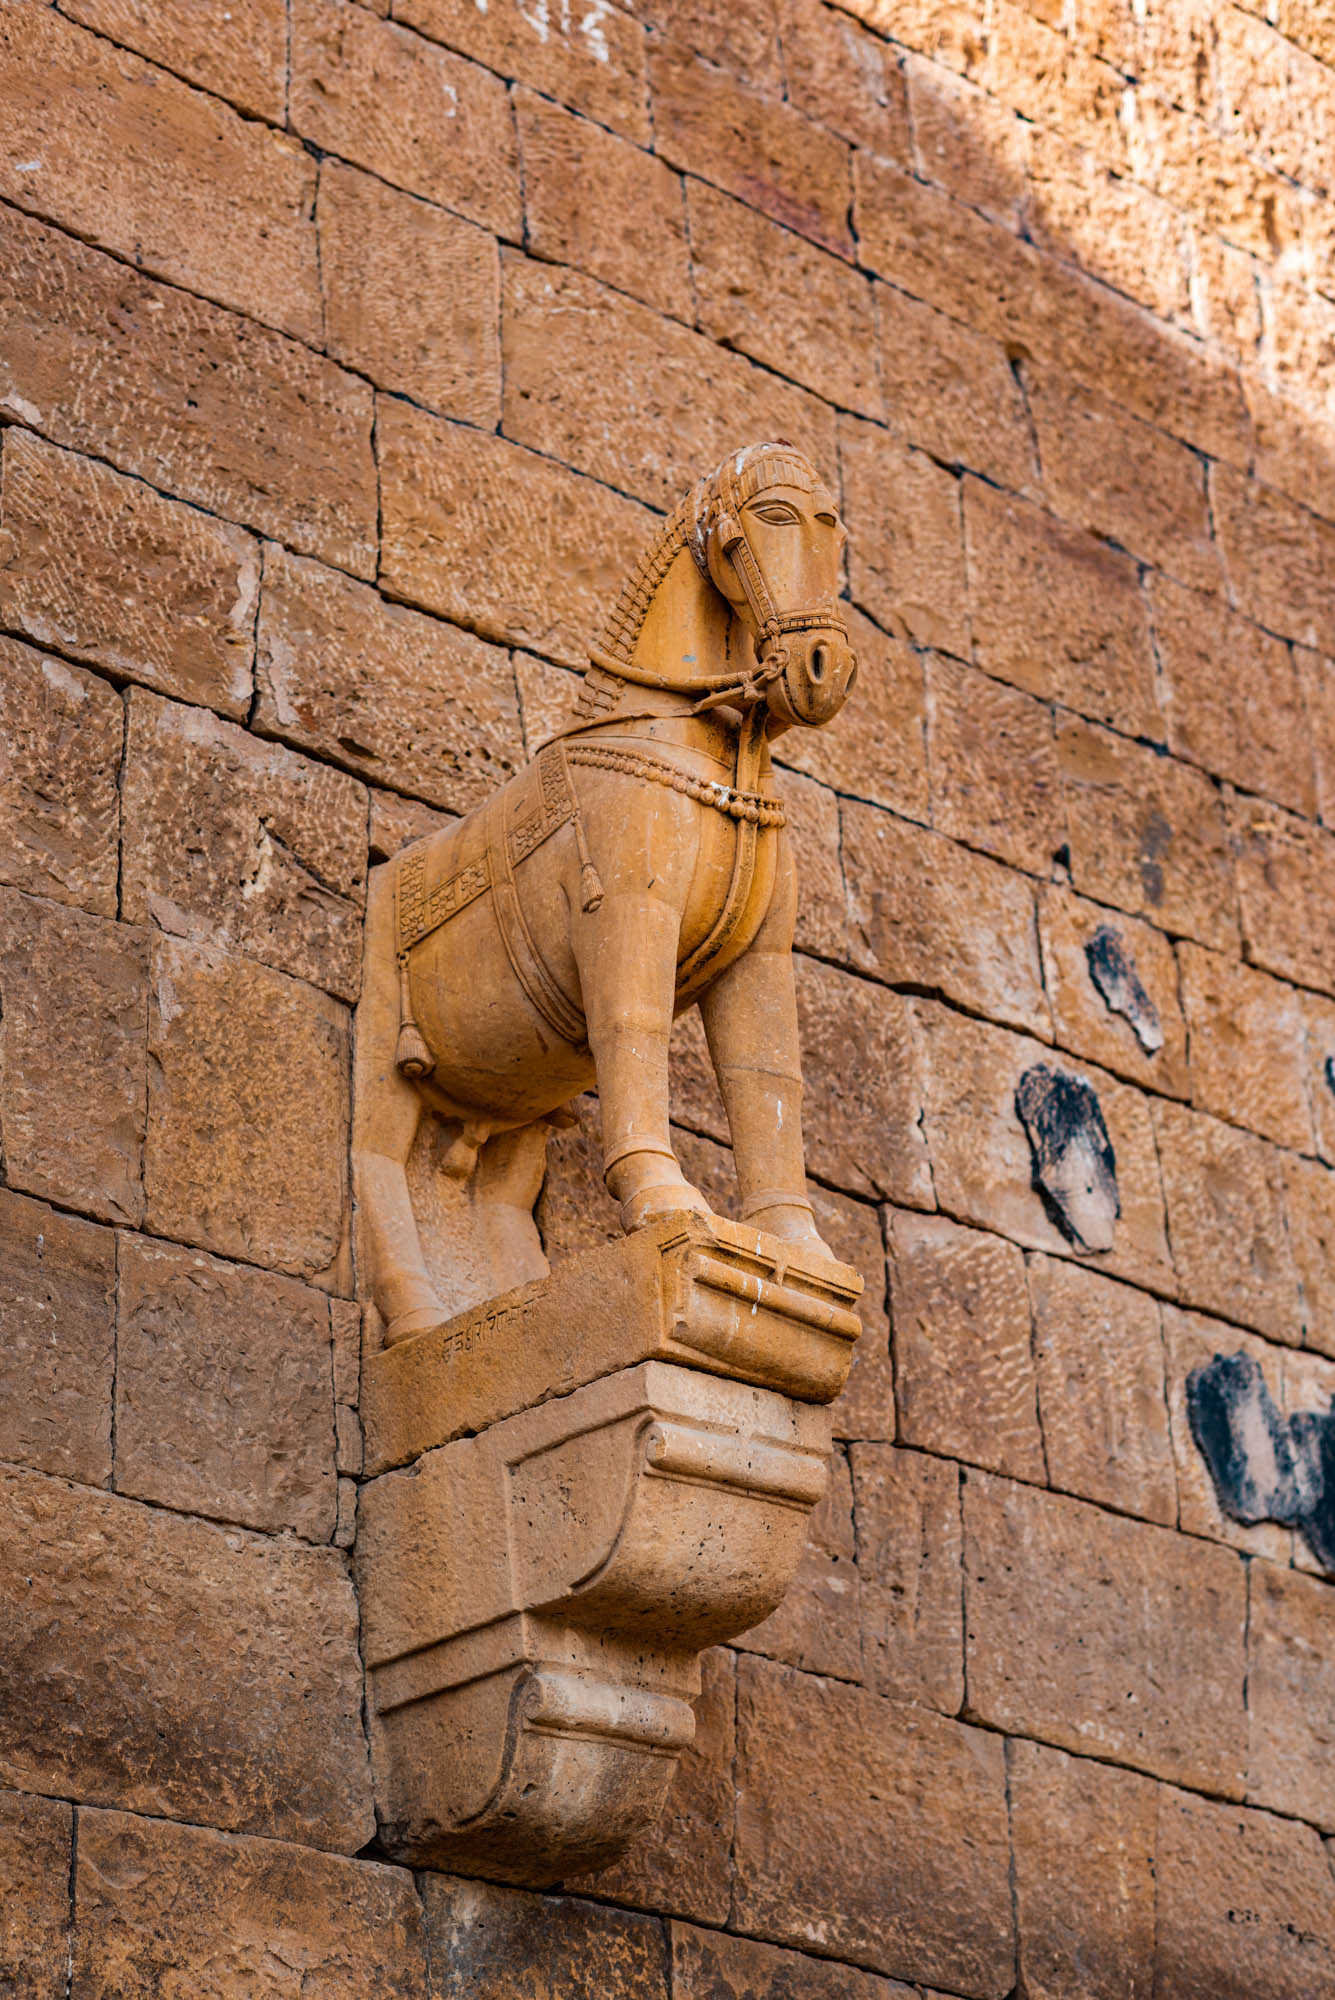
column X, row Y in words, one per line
column 420, row 1320
column 667, row 1198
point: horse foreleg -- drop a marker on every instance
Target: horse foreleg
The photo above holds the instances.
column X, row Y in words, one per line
column 627, row 958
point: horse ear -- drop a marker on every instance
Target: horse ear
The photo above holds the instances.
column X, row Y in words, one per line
column 727, row 531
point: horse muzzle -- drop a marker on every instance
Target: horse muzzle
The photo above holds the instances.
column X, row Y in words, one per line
column 818, row 672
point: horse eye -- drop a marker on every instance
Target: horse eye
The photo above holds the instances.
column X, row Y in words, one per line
column 776, row 516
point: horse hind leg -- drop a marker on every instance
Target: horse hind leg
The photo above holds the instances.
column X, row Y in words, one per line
column 506, row 1184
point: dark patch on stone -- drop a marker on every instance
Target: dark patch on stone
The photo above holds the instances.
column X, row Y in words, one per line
column 1156, row 837
column 1265, row 1467
column 1113, row 971
column 1330, row 1074
column 1074, row 1166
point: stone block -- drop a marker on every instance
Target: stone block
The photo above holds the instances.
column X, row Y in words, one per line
column 593, row 60
column 968, row 143
column 106, row 568
column 1246, row 1905
column 1134, row 1635
column 1072, row 933
column 1248, row 1047
column 1286, row 889
column 844, row 77
column 241, row 844
column 235, row 48
column 640, row 402
column 1226, row 1218
column 1279, row 558
column 952, row 391
column 404, row 700
column 1309, row 1207
column 633, row 236
column 178, row 1669
column 395, row 821
column 875, row 747
column 818, row 1626
column 752, row 146
column 1098, row 1351
column 866, row 1409
column 876, row 1827
column 490, row 1943
column 1118, row 231
column 813, row 830
column 478, row 529
column 146, row 165
column 57, row 1341
column 711, row 1965
column 993, row 764
column 59, row 811
column 224, row 1392
column 248, row 1111
column 1317, row 678
column 36, row 1855
column 72, row 1006
column 435, row 340
column 906, row 551
column 195, row 400
column 909, row 1556
column 1057, row 613
column 1233, row 698
column 964, row 1371
column 1084, row 1837
column 1192, row 1341
column 927, row 242
column 1319, row 1016
column 547, row 697
column 1291, row 1695
column 862, row 1129
column 771, row 294
column 1147, row 834
column 924, row 912
column 1053, row 81
column 162, row 1909
column 377, row 96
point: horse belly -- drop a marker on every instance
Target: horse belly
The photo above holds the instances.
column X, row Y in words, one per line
column 710, row 882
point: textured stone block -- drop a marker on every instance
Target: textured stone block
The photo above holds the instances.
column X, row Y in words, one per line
column 906, row 551
column 1286, row 889
column 1279, row 558
column 72, row 1001
column 875, row 746
column 862, row 1130
column 479, row 530
column 909, row 1556
column 1309, row 1207
column 1291, row 1695
column 1248, row 1047
column 813, row 830
column 237, row 843
column 952, row 391
column 924, row 912
column 866, row 1409
column 489, row 1943
column 236, row 48
column 591, row 58
column 968, row 143
column 224, row 1391
column 1134, row 1636
column 844, row 77
column 964, row 1372
column 1119, row 232
column 1317, row 676
column 179, row 1669
column 405, row 700
column 993, row 763
column 1098, row 1351
column 105, row 568
column 144, row 165
column 57, row 1341
column 880, row 1827
column 711, row 1965
column 1225, row 1197
column 162, row 1909
column 742, row 39
column 59, row 814
column 818, row 1626
column 1319, row 1015
column 437, row 339
column 1085, row 1023
column 248, row 1111
column 193, row 399
column 36, row 1847
column 1191, row 1341
column 396, row 820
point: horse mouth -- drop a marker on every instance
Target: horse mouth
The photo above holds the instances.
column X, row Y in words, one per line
column 816, row 681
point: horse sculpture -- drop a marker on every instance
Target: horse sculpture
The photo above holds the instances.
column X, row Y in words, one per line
column 638, row 865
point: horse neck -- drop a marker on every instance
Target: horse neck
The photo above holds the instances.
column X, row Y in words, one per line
column 686, row 632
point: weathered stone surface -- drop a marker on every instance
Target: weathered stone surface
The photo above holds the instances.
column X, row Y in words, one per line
column 179, row 1669
column 142, row 163
column 104, row 567
column 1084, row 1837
column 36, row 1843
column 405, row 700
column 224, row 1391
column 57, row 1341
column 1309, row 1206
column 925, row 912
column 1119, row 231
column 876, row 749
column 818, row 1626
column 248, row 1110
column 952, row 391
column 592, row 58
column 1291, row 1695
column 1279, row 558
column 866, row 1409
column 813, row 829
column 488, row 1943
column 1190, row 1342
column 909, row 1557
column 1133, row 1636
column 396, row 820
column 1246, row 1905
column 1317, row 676
column 906, row 550
column 162, row 1909
column 964, row 1371
column 1225, row 1197
column 844, row 78
column 237, row 843
column 1084, row 1022
column 862, row 1130
column 237, row 48
column 62, row 731
column 480, row 530
column 72, row 1010
column 1286, row 888
column 547, row 697
column 968, row 143
column 1248, row 1047
column 193, row 399
column 711, row 1965
column 993, row 763
column 1098, row 1351
column 1057, row 613
column 1147, row 834
column 437, row 339
column 876, row 1828
column 1319, row 1015
column 379, row 96
column 633, row 236
column 742, row 39
column 601, row 383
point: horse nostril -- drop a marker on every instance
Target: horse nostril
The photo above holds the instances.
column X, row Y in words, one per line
column 818, row 660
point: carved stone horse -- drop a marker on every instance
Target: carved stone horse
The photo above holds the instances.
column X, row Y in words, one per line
column 637, row 866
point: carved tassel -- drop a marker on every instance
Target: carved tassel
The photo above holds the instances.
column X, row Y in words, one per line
column 412, row 1057
column 590, row 881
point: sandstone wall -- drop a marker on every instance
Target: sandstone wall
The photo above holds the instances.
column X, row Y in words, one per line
column 346, row 353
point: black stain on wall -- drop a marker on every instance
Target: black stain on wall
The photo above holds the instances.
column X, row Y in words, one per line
column 1265, row 1467
column 1074, row 1166
column 1113, row 971
column 1330, row 1074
